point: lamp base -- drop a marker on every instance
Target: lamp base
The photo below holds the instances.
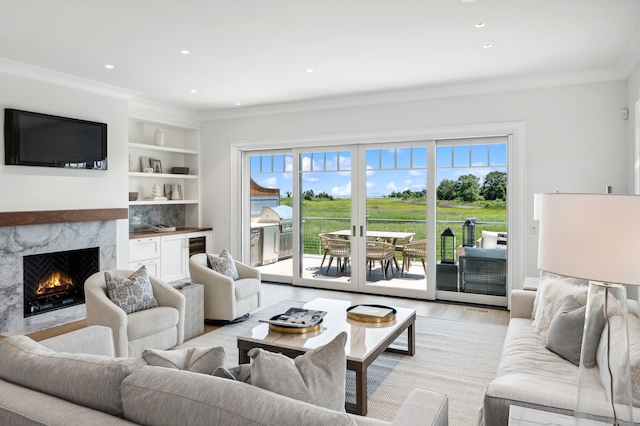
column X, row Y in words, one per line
column 604, row 386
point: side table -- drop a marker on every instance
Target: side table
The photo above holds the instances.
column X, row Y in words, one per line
column 194, row 309
column 447, row 276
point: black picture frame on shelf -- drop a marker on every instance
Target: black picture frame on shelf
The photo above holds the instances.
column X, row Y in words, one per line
column 156, row 165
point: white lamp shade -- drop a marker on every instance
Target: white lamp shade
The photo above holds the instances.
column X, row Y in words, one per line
column 590, row 236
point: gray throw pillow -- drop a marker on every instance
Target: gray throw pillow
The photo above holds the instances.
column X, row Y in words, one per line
column 241, row 373
column 223, row 264
column 131, row 294
column 565, row 333
column 203, row 360
column 316, row 377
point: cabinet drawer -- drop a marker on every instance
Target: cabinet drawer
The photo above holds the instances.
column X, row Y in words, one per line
column 144, row 249
column 152, row 265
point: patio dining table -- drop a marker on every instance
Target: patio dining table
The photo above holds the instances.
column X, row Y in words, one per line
column 391, row 237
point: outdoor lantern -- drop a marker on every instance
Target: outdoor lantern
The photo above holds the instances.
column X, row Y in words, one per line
column 469, row 233
column 448, row 246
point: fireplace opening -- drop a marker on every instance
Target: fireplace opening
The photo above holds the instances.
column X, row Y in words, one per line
column 56, row 280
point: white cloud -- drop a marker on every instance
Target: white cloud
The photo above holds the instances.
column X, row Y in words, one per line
column 392, row 186
column 341, row 190
column 271, row 182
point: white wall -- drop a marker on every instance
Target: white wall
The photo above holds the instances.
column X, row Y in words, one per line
column 576, row 140
column 42, row 188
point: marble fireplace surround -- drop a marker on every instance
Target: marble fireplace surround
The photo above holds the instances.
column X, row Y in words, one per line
column 27, row 233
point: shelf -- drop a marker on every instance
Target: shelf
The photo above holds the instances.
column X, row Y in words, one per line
column 162, row 148
column 149, row 202
column 162, row 175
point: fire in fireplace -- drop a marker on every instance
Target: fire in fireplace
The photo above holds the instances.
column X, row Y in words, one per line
column 56, row 280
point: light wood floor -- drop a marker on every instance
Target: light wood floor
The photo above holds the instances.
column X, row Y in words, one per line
column 274, row 293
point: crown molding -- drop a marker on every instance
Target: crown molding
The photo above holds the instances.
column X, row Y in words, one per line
column 418, row 94
column 147, row 110
column 20, row 69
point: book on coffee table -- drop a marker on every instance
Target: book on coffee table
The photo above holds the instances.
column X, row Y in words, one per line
column 297, row 317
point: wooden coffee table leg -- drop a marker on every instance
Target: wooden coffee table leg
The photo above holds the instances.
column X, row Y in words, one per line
column 411, row 340
column 243, row 357
column 361, row 392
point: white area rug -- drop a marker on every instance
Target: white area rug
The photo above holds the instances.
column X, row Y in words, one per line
column 457, row 358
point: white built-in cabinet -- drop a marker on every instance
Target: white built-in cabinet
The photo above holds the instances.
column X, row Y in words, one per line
column 181, row 149
column 165, row 256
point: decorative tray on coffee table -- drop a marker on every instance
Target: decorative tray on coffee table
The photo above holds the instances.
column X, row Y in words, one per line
column 371, row 313
column 294, row 330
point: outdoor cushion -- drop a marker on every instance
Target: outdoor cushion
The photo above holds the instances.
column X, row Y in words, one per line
column 485, row 253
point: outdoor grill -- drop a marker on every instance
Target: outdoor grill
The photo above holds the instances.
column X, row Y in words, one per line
column 282, row 216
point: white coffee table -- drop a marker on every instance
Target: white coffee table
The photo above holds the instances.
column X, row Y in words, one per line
column 365, row 341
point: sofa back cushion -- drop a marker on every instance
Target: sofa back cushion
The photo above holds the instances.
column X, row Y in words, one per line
column 162, row 396
column 89, row 380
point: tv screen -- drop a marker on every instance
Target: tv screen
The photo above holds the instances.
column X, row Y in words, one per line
column 33, row 139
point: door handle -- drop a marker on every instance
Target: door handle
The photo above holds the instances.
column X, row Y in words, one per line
column 353, row 234
column 361, row 231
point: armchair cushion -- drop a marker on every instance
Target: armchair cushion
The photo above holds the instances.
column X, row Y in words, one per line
column 223, row 264
column 131, row 294
column 485, row 253
column 204, row 360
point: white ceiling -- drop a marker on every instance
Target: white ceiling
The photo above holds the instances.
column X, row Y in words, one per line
column 257, row 52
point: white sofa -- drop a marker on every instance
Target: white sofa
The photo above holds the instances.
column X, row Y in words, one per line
column 79, row 382
column 530, row 375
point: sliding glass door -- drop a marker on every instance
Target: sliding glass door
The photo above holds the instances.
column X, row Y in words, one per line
column 384, row 218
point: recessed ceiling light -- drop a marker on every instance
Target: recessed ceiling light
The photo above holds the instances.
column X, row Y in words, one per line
column 109, row 66
column 468, row 1
column 309, row 70
column 480, row 25
column 488, row 46
column 185, row 52
column 194, row 91
column 238, row 104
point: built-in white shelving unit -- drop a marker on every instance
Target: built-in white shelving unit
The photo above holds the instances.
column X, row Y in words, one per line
column 181, row 149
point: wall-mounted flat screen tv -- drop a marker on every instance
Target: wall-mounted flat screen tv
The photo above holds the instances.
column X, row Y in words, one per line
column 34, row 139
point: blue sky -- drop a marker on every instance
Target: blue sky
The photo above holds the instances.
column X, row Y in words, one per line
column 388, row 170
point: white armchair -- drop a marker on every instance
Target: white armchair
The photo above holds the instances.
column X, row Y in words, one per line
column 158, row 328
column 224, row 298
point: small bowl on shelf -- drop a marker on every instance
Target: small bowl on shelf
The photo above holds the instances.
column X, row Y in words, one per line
column 133, row 196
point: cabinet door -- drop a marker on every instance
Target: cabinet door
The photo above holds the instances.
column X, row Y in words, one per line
column 174, row 252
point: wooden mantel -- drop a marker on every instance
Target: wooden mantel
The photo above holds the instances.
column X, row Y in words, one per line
column 61, row 216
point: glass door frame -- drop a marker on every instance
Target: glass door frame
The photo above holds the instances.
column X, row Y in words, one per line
column 517, row 204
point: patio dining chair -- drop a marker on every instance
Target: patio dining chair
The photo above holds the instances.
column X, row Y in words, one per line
column 340, row 249
column 414, row 250
column 379, row 251
column 324, row 246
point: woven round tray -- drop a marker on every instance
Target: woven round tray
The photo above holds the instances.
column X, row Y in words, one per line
column 356, row 317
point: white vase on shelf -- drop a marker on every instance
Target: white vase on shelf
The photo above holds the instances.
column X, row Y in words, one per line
column 158, row 137
column 156, row 191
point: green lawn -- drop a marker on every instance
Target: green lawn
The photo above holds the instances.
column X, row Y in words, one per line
column 393, row 214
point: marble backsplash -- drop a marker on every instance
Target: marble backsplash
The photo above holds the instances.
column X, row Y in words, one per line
column 19, row 241
column 140, row 217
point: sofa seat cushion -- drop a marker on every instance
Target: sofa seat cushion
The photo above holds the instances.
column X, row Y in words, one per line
column 151, row 321
column 161, row 396
column 204, row 360
column 524, row 353
column 89, row 380
column 247, row 287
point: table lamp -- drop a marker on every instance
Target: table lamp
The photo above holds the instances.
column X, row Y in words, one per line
column 595, row 237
